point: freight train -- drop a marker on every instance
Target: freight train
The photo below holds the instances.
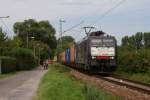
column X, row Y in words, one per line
column 96, row 53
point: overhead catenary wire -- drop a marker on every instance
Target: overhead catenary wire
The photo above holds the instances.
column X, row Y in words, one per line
column 102, row 16
column 106, row 13
column 109, row 11
column 77, row 25
column 5, row 26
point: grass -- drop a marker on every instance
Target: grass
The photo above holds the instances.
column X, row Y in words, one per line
column 58, row 84
column 141, row 77
column 7, row 75
column 96, row 93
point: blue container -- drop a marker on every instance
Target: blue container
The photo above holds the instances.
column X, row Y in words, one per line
column 67, row 56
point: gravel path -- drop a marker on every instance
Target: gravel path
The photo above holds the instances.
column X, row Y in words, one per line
column 22, row 86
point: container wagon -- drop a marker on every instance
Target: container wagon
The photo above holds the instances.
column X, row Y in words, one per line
column 96, row 53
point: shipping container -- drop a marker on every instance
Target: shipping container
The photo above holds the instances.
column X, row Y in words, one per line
column 67, row 56
column 72, row 54
column 62, row 57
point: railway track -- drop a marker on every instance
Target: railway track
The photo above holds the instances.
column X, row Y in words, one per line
column 141, row 87
column 116, row 79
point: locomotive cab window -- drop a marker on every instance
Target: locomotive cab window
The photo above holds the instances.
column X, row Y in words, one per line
column 103, row 42
column 103, row 47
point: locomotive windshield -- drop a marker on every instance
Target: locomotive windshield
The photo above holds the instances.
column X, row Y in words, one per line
column 103, row 42
column 102, row 47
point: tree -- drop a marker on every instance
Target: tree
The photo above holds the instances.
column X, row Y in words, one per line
column 3, row 37
column 125, row 40
column 134, row 40
column 42, row 31
column 147, row 40
column 138, row 39
column 64, row 42
column 17, row 41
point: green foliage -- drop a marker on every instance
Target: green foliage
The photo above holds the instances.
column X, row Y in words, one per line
column 44, row 40
column 58, row 84
column 147, row 39
column 138, row 40
column 45, row 55
column 134, row 54
column 93, row 93
column 17, row 41
column 41, row 31
column 125, row 40
column 132, row 60
column 3, row 36
column 140, row 77
column 64, row 43
column 7, row 46
column 25, row 59
column 8, row 64
column 52, row 53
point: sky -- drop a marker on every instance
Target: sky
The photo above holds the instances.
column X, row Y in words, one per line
column 126, row 19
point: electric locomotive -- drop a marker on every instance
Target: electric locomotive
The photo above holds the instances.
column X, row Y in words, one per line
column 96, row 53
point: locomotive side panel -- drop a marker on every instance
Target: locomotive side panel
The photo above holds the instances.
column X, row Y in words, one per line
column 81, row 51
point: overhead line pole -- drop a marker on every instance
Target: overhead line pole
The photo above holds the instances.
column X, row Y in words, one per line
column 61, row 31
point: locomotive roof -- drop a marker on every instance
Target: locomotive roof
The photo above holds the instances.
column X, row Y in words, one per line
column 96, row 34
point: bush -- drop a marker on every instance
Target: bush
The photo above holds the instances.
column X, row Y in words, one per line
column 44, row 55
column 132, row 61
column 5, row 51
column 25, row 59
column 8, row 64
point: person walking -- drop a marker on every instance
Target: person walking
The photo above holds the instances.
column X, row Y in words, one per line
column 44, row 64
column 47, row 62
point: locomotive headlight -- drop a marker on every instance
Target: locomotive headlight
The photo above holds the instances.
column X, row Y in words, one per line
column 112, row 57
column 93, row 57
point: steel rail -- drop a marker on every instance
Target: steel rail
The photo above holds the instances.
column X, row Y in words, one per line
column 128, row 84
column 134, row 85
column 126, row 79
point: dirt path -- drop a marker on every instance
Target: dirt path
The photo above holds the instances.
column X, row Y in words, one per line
column 22, row 86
